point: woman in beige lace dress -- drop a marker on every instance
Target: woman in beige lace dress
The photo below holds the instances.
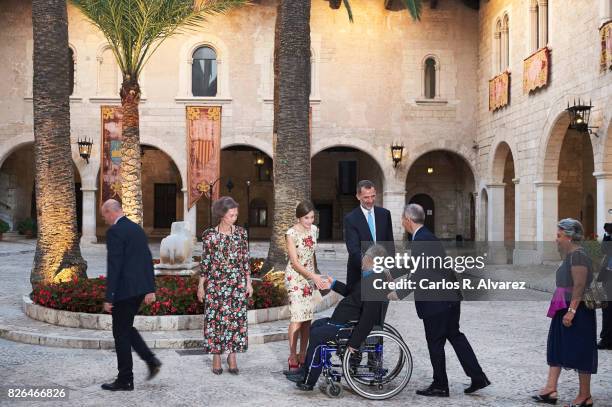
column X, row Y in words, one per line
column 300, row 272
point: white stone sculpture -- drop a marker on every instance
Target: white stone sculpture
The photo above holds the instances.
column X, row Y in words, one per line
column 175, row 250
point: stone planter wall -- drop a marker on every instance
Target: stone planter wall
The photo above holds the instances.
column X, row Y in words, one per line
column 153, row 323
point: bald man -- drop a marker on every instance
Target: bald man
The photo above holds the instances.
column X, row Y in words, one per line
column 130, row 280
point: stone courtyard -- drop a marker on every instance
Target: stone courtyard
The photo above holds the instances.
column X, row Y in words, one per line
column 508, row 337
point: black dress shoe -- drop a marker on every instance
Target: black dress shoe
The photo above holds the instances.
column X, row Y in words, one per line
column 296, row 378
column 303, row 386
column 604, row 345
column 477, row 385
column 154, row 367
column 432, row 391
column 118, row 386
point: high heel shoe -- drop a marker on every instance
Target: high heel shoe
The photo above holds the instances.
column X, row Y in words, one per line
column 292, row 369
column 217, row 371
column 232, row 370
column 545, row 398
column 301, row 360
column 584, row 403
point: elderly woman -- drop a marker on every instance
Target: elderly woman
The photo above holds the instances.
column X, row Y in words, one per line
column 225, row 284
column 572, row 338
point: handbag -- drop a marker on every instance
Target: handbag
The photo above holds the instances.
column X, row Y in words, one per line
column 594, row 297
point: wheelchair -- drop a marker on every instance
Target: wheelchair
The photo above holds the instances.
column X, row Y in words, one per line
column 379, row 370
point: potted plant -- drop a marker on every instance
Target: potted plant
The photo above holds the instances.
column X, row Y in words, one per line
column 27, row 227
column 4, row 227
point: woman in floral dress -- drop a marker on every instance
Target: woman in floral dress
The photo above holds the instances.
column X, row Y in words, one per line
column 301, row 244
column 225, row 285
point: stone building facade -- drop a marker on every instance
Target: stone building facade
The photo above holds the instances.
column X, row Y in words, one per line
column 502, row 175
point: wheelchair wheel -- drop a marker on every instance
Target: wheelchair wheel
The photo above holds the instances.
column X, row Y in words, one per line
column 332, row 389
column 389, row 328
column 384, row 372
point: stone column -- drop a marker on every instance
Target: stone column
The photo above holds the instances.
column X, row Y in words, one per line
column 504, row 47
column 533, row 25
column 495, row 212
column 189, row 215
column 543, row 23
column 604, row 201
column 517, row 209
column 394, row 201
column 89, row 216
column 547, row 213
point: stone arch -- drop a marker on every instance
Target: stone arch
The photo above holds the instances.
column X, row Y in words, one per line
column 497, row 160
column 170, row 151
column 254, row 142
column 462, row 150
column 361, row 145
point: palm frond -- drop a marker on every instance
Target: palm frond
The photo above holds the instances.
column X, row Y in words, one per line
column 349, row 11
column 414, row 7
column 135, row 29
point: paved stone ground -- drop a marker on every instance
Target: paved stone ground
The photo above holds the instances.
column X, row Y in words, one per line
column 509, row 338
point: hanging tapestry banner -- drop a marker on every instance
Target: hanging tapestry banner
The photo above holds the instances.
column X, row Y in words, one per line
column 499, row 91
column 110, row 177
column 535, row 70
column 203, row 152
column 606, row 46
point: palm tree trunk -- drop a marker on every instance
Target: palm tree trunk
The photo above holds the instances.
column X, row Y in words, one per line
column 292, row 138
column 58, row 255
column 131, row 184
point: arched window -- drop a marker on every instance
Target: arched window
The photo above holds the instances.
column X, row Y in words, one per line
column 204, row 72
column 108, row 82
column 258, row 213
column 539, row 24
column 497, row 47
column 71, row 69
column 430, row 78
column 505, row 38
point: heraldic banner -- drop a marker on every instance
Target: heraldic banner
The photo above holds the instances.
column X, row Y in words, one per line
column 499, row 91
column 535, row 70
column 110, row 178
column 203, row 151
column 606, row 46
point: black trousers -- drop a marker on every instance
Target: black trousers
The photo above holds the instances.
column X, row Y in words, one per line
column 321, row 331
column 442, row 327
column 606, row 325
column 127, row 337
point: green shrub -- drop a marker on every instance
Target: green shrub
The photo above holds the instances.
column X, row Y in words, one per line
column 28, row 224
column 4, row 227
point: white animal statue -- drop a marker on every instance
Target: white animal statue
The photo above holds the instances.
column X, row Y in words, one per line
column 177, row 248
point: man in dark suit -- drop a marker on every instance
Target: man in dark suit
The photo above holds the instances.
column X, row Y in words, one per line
column 440, row 309
column 605, row 277
column 129, row 280
column 363, row 226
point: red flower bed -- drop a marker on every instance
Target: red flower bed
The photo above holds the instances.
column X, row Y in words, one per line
column 175, row 295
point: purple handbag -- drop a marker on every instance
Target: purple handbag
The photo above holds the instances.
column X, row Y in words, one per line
column 558, row 301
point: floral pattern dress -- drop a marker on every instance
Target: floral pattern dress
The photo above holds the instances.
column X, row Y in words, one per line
column 225, row 265
column 299, row 289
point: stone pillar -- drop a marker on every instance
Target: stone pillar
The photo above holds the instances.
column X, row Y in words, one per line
column 604, row 201
column 517, row 209
column 605, row 11
column 89, row 216
column 498, row 52
column 504, row 47
column 533, row 26
column 547, row 214
column 542, row 23
column 394, row 201
column 189, row 215
column 495, row 212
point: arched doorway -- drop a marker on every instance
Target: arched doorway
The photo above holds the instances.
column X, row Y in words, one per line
column 334, row 177
column 427, row 204
column 448, row 180
column 578, row 185
column 246, row 176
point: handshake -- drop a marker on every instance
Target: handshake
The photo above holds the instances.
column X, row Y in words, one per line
column 322, row 282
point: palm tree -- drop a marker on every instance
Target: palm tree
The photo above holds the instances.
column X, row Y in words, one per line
column 58, row 256
column 291, row 159
column 134, row 30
